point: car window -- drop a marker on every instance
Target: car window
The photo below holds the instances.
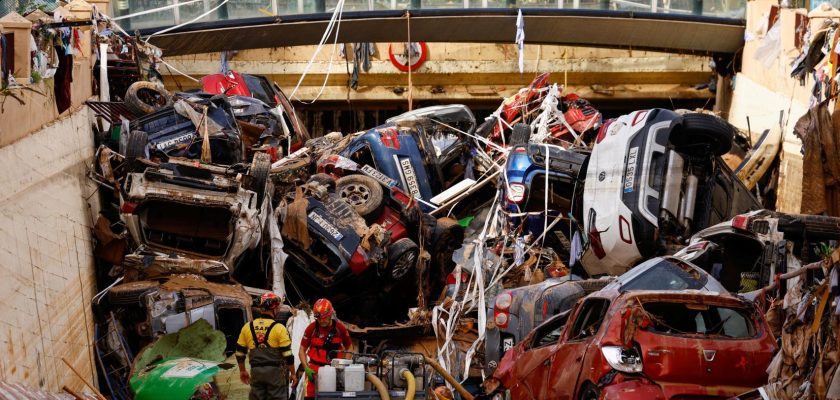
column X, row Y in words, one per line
column 589, row 318
column 549, row 333
column 720, row 200
column 666, row 275
column 700, row 319
column 260, row 89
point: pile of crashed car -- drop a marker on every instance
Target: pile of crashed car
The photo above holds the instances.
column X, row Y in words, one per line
column 544, row 253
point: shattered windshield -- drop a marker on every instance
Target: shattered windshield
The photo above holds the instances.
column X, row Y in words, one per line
column 691, row 318
column 662, row 274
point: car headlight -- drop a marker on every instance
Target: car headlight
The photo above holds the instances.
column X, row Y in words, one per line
column 621, row 359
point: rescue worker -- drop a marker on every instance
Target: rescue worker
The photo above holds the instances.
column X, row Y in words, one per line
column 269, row 347
column 327, row 334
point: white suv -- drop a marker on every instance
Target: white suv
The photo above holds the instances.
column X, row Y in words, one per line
column 655, row 177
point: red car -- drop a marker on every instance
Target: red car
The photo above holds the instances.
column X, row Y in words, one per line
column 641, row 345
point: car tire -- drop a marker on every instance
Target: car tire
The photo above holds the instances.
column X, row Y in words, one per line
column 521, row 134
column 363, row 193
column 131, row 293
column 589, row 392
column 146, row 97
column 402, row 258
column 697, row 134
column 324, row 179
column 135, row 147
column 260, row 167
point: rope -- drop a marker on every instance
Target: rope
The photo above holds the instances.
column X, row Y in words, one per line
column 410, row 86
column 335, row 17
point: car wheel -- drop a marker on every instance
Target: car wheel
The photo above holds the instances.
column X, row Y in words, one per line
column 260, row 167
column 589, row 392
column 136, row 146
column 363, row 193
column 146, row 97
column 324, row 179
column 402, row 258
column 521, row 134
column 131, row 293
column 698, row 134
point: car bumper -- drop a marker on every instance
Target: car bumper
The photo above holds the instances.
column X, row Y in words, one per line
column 632, row 390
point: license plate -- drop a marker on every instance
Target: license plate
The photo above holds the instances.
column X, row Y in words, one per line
column 410, row 178
column 379, row 176
column 630, row 170
column 507, row 344
column 325, row 225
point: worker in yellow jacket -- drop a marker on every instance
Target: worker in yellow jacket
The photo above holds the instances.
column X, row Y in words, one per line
column 266, row 342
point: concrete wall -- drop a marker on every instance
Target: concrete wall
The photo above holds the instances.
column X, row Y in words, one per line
column 26, row 110
column 465, row 71
column 46, row 246
column 762, row 90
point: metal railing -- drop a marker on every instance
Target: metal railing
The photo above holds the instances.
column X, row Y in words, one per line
column 238, row 9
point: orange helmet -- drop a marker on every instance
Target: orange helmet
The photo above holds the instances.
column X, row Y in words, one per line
column 322, row 309
column 270, row 301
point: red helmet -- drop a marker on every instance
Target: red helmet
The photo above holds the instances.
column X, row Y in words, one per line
column 322, row 309
column 270, row 301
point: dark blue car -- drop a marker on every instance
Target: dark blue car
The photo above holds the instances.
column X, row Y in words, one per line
column 536, row 172
column 425, row 151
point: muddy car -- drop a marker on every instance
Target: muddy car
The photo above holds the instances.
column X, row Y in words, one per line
column 259, row 88
column 424, row 151
column 150, row 308
column 626, row 344
column 199, row 211
column 178, row 130
column 747, row 252
column 669, row 183
column 541, row 181
column 517, row 311
column 355, row 263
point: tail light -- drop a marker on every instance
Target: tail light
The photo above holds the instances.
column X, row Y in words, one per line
column 741, row 222
column 500, row 310
column 452, row 278
column 595, row 236
column 401, row 197
column 128, row 207
column 697, row 247
column 516, row 193
column 358, row 262
column 621, row 359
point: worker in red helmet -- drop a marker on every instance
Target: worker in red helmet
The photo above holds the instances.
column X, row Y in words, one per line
column 266, row 342
column 327, row 334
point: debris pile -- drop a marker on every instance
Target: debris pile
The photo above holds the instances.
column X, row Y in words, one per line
column 457, row 252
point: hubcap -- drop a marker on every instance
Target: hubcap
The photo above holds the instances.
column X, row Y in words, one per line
column 403, row 264
column 356, row 195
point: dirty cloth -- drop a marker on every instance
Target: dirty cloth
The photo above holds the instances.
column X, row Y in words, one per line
column 62, row 81
column 361, row 61
column 186, row 111
column 295, row 226
column 808, row 129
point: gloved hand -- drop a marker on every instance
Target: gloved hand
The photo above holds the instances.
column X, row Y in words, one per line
column 310, row 374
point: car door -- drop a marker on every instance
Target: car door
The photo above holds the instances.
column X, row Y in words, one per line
column 567, row 360
column 532, row 366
